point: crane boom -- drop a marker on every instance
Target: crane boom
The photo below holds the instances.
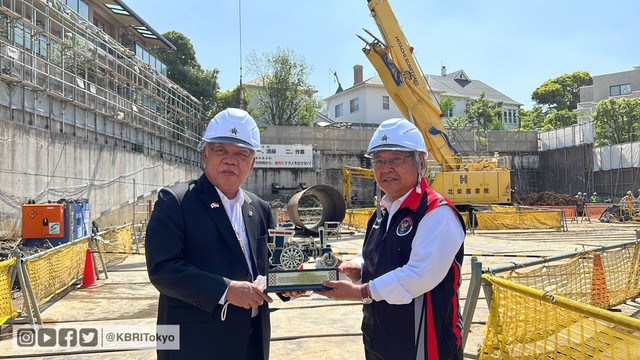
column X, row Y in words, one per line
column 393, row 59
column 464, row 183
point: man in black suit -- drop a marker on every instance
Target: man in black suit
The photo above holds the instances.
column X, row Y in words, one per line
column 206, row 244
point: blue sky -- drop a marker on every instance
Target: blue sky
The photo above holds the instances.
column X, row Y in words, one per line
column 513, row 46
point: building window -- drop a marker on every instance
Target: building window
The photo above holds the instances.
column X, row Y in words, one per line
column 79, row 6
column 354, row 105
column 385, row 102
column 98, row 23
column 509, row 116
column 617, row 90
column 338, row 110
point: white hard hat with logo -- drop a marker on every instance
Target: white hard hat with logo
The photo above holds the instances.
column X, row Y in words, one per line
column 396, row 134
column 233, row 126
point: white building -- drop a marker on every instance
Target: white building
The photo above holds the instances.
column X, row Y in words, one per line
column 368, row 102
column 614, row 85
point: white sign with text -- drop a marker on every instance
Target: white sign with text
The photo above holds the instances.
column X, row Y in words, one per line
column 284, row 156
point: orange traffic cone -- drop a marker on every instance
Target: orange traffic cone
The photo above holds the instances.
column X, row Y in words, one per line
column 89, row 278
column 600, row 296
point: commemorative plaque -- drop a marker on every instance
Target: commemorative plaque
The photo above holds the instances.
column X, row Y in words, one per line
column 287, row 258
column 299, row 280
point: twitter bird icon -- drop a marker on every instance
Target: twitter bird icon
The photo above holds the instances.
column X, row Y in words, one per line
column 88, row 337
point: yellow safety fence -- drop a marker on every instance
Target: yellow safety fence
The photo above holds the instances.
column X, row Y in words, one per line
column 521, row 220
column 6, row 305
column 358, row 218
column 53, row 272
column 603, row 279
column 116, row 245
column 527, row 323
column 503, row 218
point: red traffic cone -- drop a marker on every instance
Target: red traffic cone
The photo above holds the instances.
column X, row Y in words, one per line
column 89, row 278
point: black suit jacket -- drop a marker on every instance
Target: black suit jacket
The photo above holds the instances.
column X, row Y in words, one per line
column 192, row 255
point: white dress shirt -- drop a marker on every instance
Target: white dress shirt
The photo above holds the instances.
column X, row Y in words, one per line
column 435, row 245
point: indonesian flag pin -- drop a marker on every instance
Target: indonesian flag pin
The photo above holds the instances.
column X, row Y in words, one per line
column 215, row 205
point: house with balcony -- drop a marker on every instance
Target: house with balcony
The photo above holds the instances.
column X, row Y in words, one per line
column 368, row 103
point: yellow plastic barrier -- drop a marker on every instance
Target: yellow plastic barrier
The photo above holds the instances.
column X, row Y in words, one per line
column 6, row 304
column 358, row 218
column 53, row 272
column 510, row 220
column 603, row 279
column 527, row 323
column 116, row 245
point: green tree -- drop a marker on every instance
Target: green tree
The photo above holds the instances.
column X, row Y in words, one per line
column 231, row 98
column 617, row 120
column 532, row 119
column 457, row 121
column 563, row 92
column 484, row 112
column 284, row 94
column 557, row 119
column 184, row 69
column 446, row 105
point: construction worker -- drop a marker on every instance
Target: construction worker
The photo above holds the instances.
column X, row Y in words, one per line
column 608, row 199
column 579, row 196
column 594, row 197
column 628, row 199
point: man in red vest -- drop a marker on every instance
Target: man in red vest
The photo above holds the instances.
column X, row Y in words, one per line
column 407, row 273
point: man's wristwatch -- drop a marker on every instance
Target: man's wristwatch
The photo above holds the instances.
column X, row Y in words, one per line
column 366, row 294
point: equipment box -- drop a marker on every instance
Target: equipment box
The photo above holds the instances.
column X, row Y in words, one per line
column 82, row 219
column 41, row 221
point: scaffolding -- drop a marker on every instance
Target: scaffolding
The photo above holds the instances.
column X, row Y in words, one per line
column 64, row 74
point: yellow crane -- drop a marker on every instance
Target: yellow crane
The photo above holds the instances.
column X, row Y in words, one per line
column 481, row 181
column 349, row 172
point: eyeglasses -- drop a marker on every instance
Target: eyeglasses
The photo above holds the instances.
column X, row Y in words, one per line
column 392, row 161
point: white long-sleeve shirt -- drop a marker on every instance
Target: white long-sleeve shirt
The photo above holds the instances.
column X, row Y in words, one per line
column 435, row 245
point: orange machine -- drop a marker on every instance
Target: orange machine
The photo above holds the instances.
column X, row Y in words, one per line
column 43, row 221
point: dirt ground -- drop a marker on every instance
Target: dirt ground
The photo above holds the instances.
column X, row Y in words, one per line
column 316, row 327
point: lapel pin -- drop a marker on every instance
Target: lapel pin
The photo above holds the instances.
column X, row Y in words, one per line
column 215, row 205
column 250, row 213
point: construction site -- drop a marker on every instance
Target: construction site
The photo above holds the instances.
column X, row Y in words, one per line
column 93, row 129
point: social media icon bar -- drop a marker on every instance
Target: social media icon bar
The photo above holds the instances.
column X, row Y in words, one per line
column 111, row 336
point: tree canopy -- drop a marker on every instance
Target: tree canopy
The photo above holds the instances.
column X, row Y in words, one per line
column 231, row 98
column 184, row 69
column 563, row 92
column 485, row 113
column 284, row 94
column 617, row 120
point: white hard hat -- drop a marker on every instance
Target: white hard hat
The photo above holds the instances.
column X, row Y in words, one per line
column 579, row 193
column 396, row 134
column 595, row 193
column 629, row 193
column 233, row 126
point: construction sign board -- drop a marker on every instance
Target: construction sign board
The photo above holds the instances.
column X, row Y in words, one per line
column 284, row 156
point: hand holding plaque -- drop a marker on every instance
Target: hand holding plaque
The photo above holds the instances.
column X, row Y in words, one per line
column 288, row 257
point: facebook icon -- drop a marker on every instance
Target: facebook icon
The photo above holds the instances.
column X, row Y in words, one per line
column 67, row 337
